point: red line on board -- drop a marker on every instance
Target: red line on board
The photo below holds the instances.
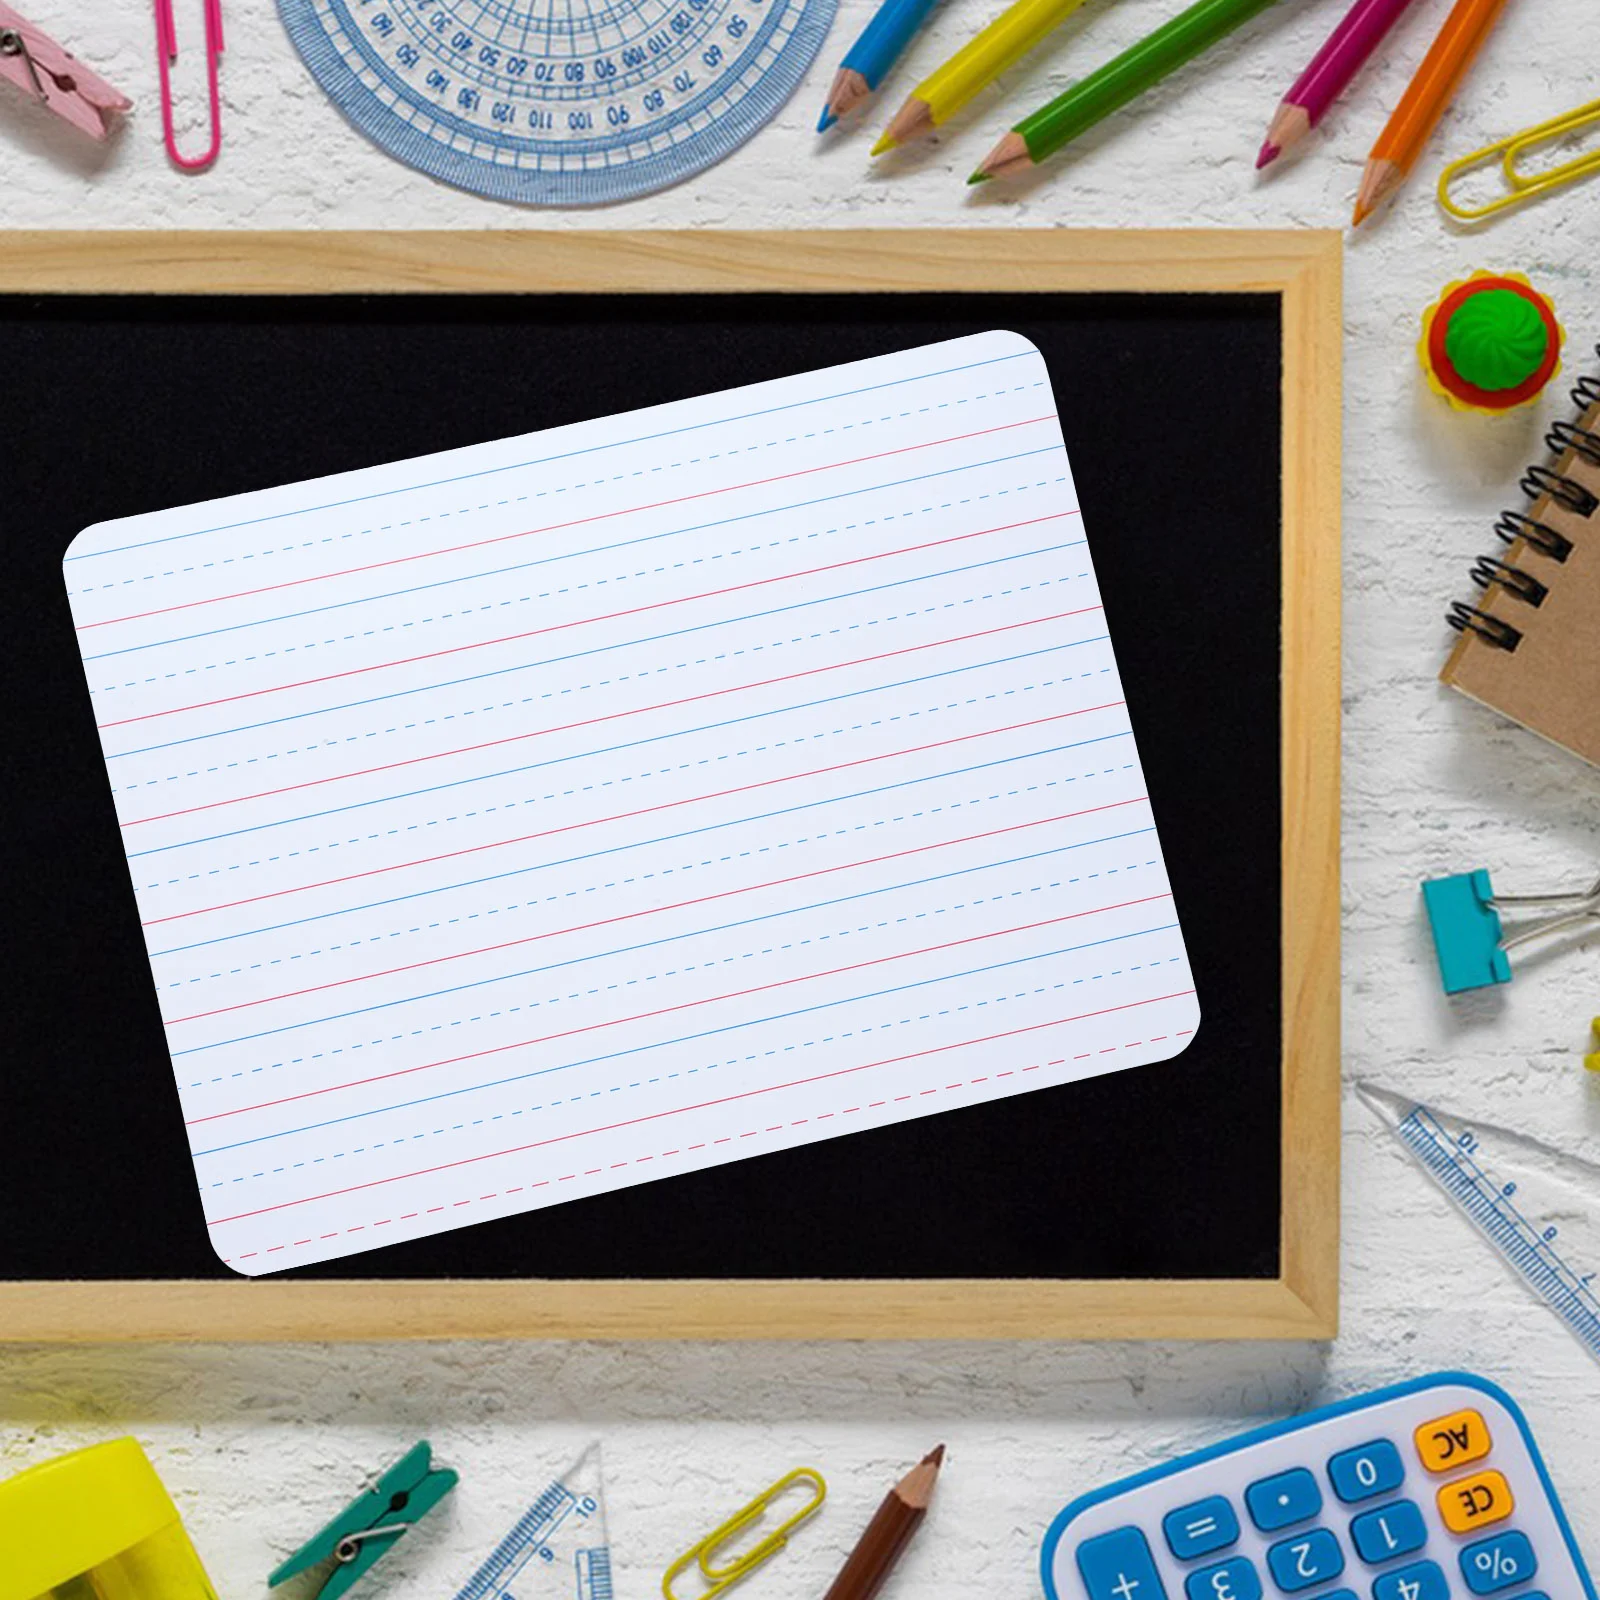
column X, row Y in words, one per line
column 787, row 677
column 682, row 1005
column 649, row 911
column 704, row 1105
column 636, row 711
column 576, row 522
column 623, row 816
column 511, row 638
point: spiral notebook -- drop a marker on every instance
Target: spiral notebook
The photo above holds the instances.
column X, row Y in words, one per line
column 567, row 812
column 1530, row 646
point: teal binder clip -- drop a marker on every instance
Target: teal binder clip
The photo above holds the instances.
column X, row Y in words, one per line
column 368, row 1528
column 1464, row 914
column 1466, row 931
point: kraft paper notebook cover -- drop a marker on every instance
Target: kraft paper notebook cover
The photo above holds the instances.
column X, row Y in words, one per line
column 549, row 816
column 1530, row 647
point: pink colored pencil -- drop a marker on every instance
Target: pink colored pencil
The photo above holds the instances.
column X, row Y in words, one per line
column 1331, row 69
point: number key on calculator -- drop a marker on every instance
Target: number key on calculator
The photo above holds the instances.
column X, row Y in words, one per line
column 1431, row 1490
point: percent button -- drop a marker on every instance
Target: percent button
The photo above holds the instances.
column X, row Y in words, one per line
column 1499, row 1563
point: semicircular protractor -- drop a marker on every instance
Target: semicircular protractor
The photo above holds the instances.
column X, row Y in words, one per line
column 558, row 102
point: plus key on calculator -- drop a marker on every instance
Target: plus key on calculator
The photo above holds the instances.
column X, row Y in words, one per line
column 1432, row 1490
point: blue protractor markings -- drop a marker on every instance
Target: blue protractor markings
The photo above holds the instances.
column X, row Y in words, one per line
column 558, row 102
column 1531, row 1247
column 594, row 1575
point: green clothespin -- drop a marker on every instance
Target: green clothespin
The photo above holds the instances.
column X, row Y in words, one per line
column 371, row 1524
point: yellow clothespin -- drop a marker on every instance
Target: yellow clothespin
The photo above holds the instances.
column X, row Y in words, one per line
column 1593, row 1062
column 719, row 1575
column 1522, row 184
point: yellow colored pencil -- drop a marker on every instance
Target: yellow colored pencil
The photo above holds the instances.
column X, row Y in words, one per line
column 973, row 67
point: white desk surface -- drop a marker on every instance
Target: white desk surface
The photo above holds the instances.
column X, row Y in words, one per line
column 260, row 1446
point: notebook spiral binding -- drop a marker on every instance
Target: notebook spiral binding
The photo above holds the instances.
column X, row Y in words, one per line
column 1539, row 483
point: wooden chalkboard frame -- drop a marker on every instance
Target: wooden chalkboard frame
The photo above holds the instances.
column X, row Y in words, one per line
column 1303, row 269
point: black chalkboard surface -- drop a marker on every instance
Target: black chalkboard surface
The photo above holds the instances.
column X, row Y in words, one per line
column 1172, row 413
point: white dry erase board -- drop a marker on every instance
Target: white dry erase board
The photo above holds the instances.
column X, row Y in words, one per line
column 988, row 1219
column 535, row 820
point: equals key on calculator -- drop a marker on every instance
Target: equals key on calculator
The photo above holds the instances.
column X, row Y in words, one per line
column 1431, row 1490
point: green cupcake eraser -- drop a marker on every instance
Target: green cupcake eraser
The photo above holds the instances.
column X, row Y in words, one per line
column 1497, row 340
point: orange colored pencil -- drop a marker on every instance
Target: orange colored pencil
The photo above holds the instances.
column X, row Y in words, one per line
column 1426, row 99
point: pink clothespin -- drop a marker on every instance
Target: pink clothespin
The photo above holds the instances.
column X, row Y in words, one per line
column 167, row 52
column 33, row 61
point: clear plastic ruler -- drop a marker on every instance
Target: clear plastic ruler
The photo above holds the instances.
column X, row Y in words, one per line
column 557, row 1548
column 576, row 103
column 1538, row 1206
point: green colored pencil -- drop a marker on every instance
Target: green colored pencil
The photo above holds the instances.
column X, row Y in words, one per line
column 1114, row 85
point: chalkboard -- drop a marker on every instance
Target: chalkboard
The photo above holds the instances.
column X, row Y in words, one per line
column 1172, row 405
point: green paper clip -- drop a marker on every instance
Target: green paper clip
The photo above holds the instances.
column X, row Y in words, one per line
column 1464, row 914
column 370, row 1525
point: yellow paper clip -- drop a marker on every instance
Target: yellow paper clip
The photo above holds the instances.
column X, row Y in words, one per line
column 1522, row 184
column 723, row 1574
column 1593, row 1062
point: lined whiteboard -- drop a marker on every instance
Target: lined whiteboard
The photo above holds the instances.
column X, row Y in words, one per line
column 552, row 815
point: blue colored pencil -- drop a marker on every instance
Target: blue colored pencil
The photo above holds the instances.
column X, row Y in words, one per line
column 869, row 59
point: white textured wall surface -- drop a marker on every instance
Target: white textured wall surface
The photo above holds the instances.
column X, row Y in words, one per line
column 261, row 1444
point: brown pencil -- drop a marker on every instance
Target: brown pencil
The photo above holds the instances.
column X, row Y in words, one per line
column 889, row 1532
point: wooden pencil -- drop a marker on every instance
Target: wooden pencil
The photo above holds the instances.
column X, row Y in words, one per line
column 973, row 67
column 1112, row 86
column 869, row 60
column 1426, row 99
column 889, row 1532
column 1330, row 71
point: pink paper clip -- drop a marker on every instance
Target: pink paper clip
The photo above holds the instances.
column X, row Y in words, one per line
column 167, row 52
column 39, row 66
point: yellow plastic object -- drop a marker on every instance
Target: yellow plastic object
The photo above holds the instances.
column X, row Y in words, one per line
column 716, row 1575
column 1476, row 1502
column 1439, row 369
column 1519, row 183
column 1450, row 1442
column 95, row 1525
column 1593, row 1062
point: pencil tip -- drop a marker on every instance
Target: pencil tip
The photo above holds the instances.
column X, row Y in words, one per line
column 912, row 121
column 1290, row 124
column 1378, row 182
column 850, row 89
column 1008, row 159
column 935, row 1457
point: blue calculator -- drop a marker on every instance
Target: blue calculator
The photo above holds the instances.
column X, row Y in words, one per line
column 1432, row 1490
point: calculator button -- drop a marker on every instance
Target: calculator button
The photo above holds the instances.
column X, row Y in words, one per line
column 1391, row 1531
column 1494, row 1564
column 1422, row 1580
column 1228, row 1580
column 1368, row 1470
column 1118, row 1566
column 1476, row 1502
column 1284, row 1500
column 1199, row 1529
column 1305, row 1562
column 1450, row 1442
